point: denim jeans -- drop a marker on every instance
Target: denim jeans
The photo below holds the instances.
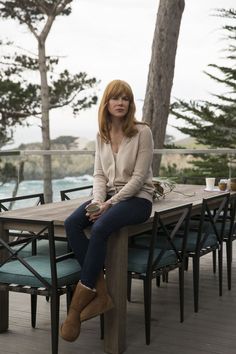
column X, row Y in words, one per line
column 91, row 253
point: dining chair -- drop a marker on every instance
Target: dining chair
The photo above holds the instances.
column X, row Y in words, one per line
column 207, row 237
column 206, row 234
column 8, row 203
column 40, row 247
column 22, row 201
column 160, row 256
column 18, row 202
column 64, row 193
column 47, row 275
column 229, row 236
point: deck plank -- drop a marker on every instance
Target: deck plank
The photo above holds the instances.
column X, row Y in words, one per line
column 211, row 331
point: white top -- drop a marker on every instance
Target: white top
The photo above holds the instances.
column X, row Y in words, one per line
column 127, row 173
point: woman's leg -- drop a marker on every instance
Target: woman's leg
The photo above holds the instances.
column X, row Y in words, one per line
column 131, row 211
column 91, row 254
column 75, row 225
column 82, row 296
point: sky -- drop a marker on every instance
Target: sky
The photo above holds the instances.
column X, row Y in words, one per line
column 111, row 39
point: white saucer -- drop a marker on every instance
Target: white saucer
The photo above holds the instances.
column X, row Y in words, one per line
column 214, row 190
column 211, row 190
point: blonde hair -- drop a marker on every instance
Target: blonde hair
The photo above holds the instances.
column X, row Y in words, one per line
column 117, row 88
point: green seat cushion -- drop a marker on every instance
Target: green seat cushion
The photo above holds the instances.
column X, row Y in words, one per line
column 42, row 248
column 161, row 242
column 144, row 240
column 138, row 259
column 141, row 240
column 192, row 239
column 226, row 230
column 14, row 272
column 194, row 224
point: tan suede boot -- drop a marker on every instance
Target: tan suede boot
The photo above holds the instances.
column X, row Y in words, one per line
column 82, row 296
column 100, row 304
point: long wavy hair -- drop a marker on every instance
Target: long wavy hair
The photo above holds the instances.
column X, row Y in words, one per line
column 117, row 88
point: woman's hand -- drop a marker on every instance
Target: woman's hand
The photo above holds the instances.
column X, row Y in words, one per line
column 103, row 206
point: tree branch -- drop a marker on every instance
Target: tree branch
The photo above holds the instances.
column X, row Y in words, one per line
column 42, row 6
column 28, row 23
column 61, row 6
column 66, row 102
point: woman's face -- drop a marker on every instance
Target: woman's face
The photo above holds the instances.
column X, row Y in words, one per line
column 118, row 106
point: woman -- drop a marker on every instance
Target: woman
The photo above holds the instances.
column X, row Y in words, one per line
column 123, row 192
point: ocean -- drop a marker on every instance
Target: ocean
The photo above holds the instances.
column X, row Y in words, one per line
column 36, row 186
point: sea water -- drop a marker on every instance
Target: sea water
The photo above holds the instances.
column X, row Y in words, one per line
column 36, row 186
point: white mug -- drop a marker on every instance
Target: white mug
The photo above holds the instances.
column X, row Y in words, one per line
column 210, row 183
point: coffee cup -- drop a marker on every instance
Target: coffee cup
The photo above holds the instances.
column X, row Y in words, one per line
column 222, row 185
column 92, row 208
column 233, row 184
column 210, row 183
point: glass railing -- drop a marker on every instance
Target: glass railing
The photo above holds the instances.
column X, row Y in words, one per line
column 23, row 169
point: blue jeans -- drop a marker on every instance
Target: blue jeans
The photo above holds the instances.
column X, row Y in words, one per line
column 91, row 253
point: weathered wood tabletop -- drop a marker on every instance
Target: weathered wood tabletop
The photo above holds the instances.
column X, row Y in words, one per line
column 116, row 261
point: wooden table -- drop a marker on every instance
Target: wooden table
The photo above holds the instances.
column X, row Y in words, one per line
column 116, row 261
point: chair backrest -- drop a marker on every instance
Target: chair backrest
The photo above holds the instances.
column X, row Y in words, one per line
column 6, row 203
column 40, row 271
column 166, row 226
column 231, row 215
column 214, row 211
column 19, row 202
column 14, row 254
column 64, row 193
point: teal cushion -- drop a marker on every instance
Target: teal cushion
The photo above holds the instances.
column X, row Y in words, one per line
column 226, row 230
column 42, row 248
column 194, row 224
column 143, row 240
column 192, row 239
column 138, row 259
column 14, row 272
column 161, row 242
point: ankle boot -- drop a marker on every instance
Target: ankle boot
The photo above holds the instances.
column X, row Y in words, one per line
column 82, row 296
column 100, row 304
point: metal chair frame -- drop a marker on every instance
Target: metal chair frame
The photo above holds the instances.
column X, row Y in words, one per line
column 64, row 192
column 228, row 237
column 214, row 209
column 19, row 239
column 47, row 289
column 177, row 217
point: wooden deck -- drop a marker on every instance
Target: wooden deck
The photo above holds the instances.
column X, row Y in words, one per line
column 211, row 331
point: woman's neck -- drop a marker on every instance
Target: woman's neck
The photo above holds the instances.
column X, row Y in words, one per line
column 116, row 125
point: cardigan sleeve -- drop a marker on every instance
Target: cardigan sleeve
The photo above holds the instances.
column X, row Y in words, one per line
column 99, row 182
column 142, row 167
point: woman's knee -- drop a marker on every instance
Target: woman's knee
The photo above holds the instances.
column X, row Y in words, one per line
column 71, row 222
column 99, row 229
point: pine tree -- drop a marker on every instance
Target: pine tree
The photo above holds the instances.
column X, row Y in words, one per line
column 213, row 123
column 38, row 16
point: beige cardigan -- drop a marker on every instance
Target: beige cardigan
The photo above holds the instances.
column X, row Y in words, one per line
column 127, row 173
